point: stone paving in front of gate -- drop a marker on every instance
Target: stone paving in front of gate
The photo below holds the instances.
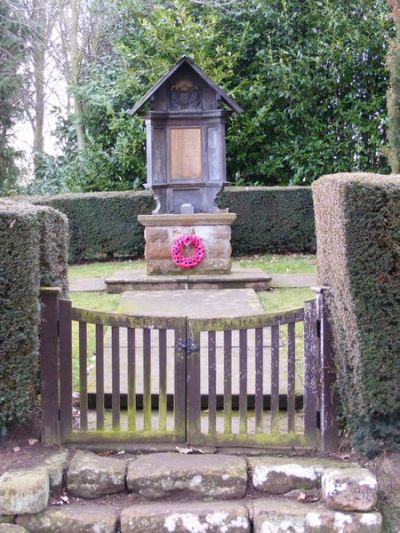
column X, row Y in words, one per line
column 196, row 304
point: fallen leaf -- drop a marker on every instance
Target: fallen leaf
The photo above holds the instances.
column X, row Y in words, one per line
column 16, row 449
column 32, row 441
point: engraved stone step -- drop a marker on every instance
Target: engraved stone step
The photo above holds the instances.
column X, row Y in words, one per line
column 161, row 475
column 207, row 517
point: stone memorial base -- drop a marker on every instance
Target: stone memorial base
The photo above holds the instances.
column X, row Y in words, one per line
column 162, row 230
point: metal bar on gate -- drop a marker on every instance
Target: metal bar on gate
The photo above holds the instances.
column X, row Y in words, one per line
column 243, row 381
column 227, row 382
column 311, row 354
column 259, row 395
column 162, row 398
column 212, row 384
column 83, row 396
column 49, row 365
column 147, row 379
column 291, row 362
column 131, row 379
column 275, row 379
column 99, row 377
column 65, row 347
column 115, row 365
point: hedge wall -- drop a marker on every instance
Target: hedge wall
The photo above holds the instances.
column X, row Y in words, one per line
column 33, row 245
column 271, row 219
column 358, row 240
column 104, row 225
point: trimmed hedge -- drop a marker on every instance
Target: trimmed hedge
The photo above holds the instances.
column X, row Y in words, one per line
column 271, row 219
column 358, row 239
column 33, row 247
column 104, row 225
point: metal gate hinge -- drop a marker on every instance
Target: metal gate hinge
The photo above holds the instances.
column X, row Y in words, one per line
column 188, row 345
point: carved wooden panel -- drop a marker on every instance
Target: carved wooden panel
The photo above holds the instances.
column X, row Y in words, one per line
column 185, row 153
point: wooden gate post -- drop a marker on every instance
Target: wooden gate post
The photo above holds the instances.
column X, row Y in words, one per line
column 49, row 374
column 328, row 395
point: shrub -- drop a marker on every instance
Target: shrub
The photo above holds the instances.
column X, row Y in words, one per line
column 104, row 225
column 271, row 219
column 33, row 250
column 358, row 242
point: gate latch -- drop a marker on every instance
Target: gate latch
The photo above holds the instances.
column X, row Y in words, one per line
column 188, row 346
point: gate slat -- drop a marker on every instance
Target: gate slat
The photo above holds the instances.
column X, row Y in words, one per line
column 243, row 381
column 99, row 377
column 64, row 309
column 131, row 379
column 162, row 399
column 116, row 402
column 228, row 382
column 83, row 401
column 181, row 378
column 259, row 396
column 212, row 385
column 275, row 379
column 310, row 371
column 291, row 391
column 147, row 378
column 193, row 380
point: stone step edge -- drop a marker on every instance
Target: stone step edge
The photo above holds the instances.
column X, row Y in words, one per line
column 244, row 507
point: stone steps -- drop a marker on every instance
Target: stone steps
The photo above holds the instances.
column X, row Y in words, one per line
column 204, row 493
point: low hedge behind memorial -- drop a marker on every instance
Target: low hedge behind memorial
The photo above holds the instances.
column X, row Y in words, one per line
column 104, row 225
column 33, row 250
column 358, row 239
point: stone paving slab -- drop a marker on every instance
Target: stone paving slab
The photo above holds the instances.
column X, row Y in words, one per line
column 196, row 303
column 199, row 304
column 126, row 280
column 87, row 285
column 208, row 476
column 294, row 281
column 204, row 363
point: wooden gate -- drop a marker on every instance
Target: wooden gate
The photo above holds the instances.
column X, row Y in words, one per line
column 263, row 381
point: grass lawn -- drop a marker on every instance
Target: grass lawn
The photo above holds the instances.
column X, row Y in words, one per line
column 100, row 301
column 273, row 264
column 280, row 264
column 102, row 269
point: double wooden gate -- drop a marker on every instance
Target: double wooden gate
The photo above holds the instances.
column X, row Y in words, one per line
column 252, row 381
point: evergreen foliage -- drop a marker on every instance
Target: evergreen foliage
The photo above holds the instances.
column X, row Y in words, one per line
column 104, row 225
column 358, row 243
column 310, row 75
column 11, row 55
column 33, row 248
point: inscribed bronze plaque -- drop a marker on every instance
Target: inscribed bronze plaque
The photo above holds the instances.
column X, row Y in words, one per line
column 185, row 153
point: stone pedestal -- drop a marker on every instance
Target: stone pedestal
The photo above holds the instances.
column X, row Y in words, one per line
column 162, row 230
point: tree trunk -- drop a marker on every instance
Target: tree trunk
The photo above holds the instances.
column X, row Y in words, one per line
column 39, row 50
column 75, row 59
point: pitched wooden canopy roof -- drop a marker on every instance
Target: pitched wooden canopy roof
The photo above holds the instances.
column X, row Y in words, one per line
column 186, row 60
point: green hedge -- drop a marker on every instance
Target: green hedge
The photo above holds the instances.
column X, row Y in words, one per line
column 33, row 244
column 358, row 239
column 271, row 219
column 104, row 225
